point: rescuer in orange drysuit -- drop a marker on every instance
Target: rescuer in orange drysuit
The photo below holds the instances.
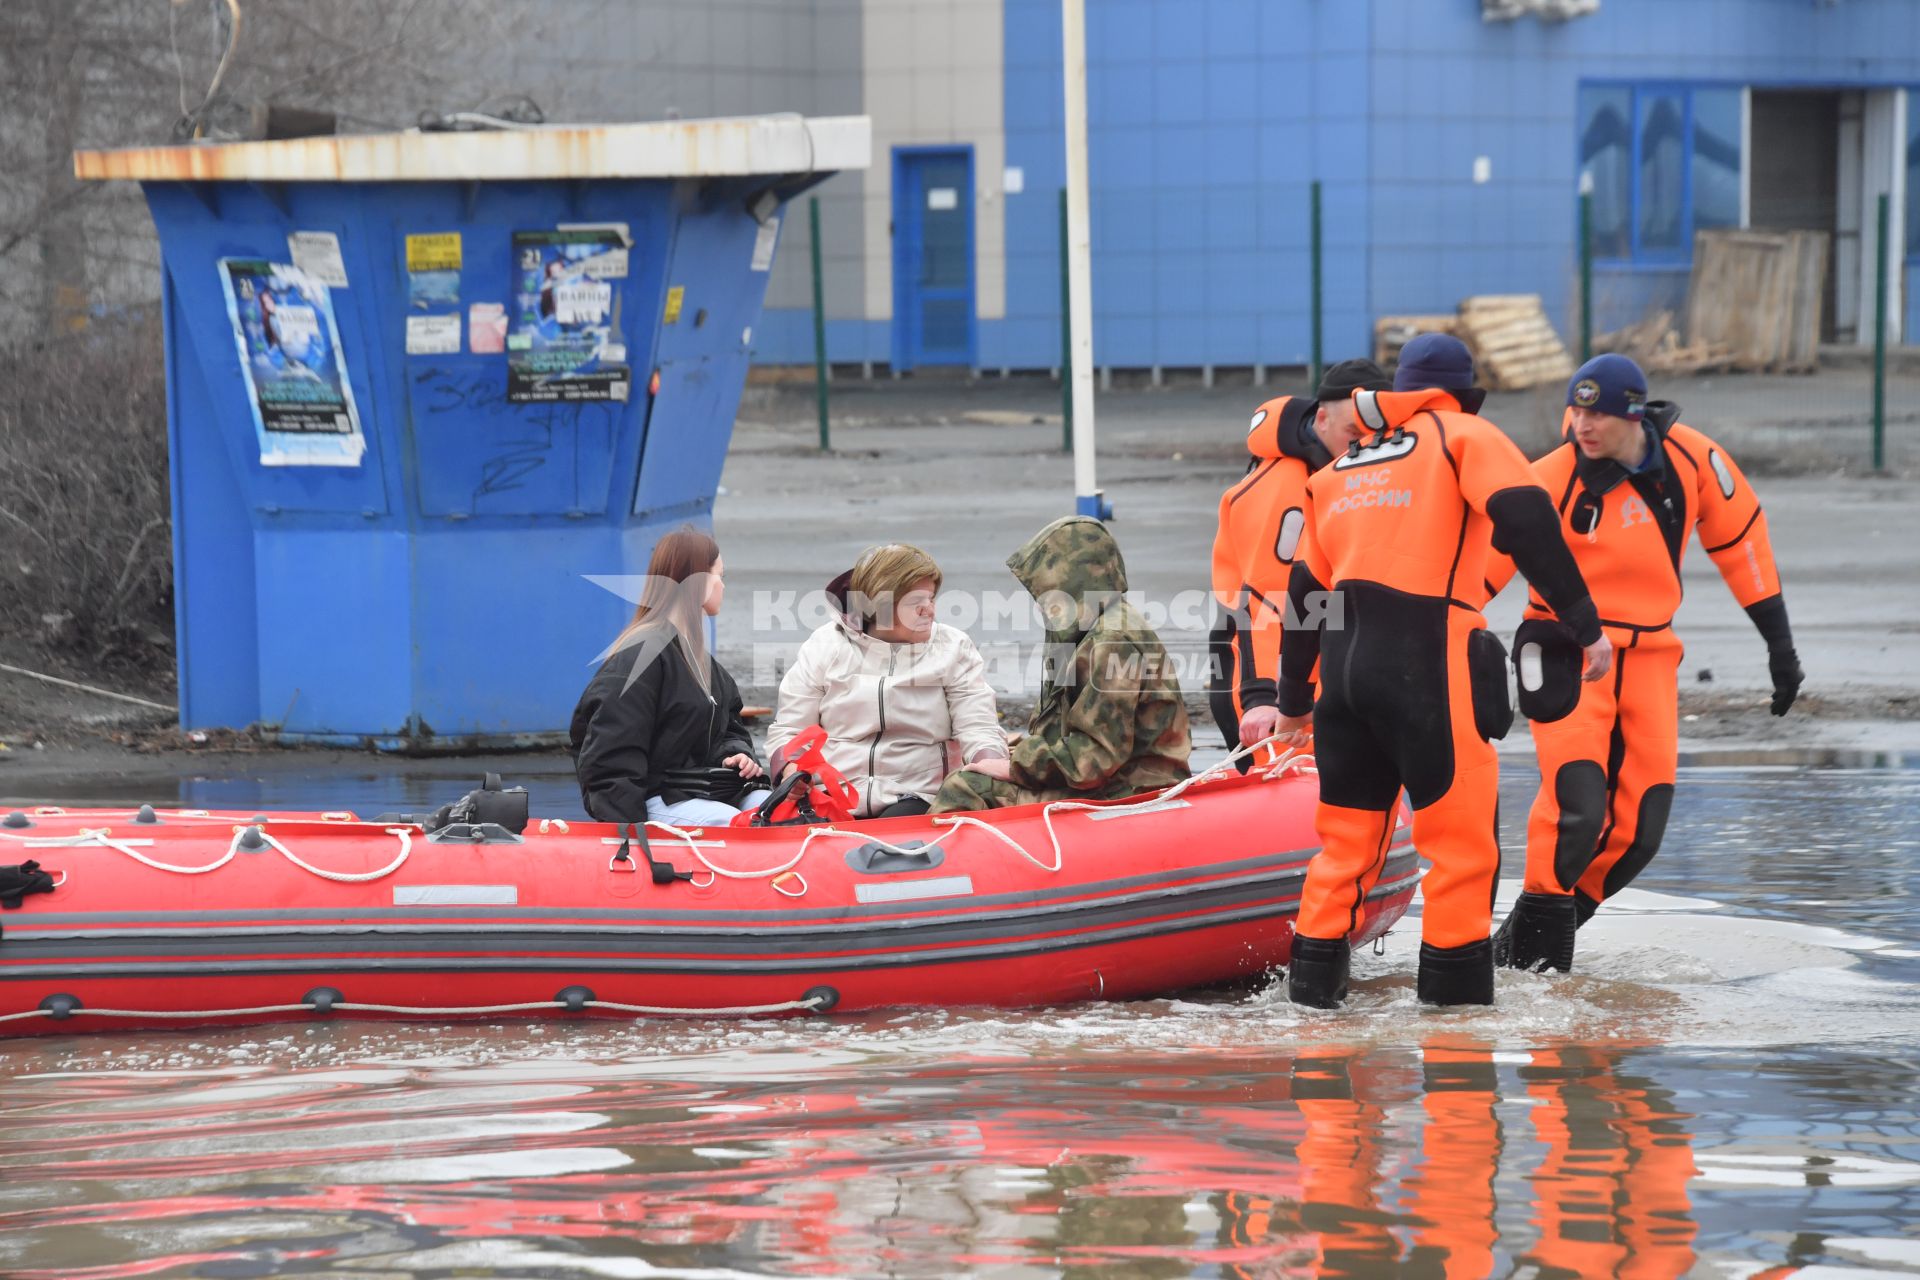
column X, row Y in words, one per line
column 1413, row 686
column 1631, row 483
column 1259, row 533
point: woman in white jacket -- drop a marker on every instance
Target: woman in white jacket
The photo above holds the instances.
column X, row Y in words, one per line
column 903, row 698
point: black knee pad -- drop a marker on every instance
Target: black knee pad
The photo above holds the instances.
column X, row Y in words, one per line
column 1655, row 807
column 1580, row 789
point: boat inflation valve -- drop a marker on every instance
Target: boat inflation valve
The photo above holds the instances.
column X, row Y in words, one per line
column 821, row 998
column 16, row 820
column 146, row 814
column 322, row 999
column 253, row 839
column 575, row 998
column 61, row 1007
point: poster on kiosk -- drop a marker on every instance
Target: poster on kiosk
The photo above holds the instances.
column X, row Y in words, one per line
column 293, row 365
column 565, row 343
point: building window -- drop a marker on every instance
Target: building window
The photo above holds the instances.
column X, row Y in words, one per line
column 1663, row 162
column 1717, row 125
column 1913, row 180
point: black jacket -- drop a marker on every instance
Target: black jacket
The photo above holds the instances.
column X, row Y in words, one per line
column 625, row 737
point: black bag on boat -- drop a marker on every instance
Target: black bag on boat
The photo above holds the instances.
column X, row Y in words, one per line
column 492, row 803
column 505, row 806
column 717, row 782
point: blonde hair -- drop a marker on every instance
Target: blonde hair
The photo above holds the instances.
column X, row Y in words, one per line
column 885, row 573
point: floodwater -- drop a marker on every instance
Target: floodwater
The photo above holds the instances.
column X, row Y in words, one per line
column 1730, row 1086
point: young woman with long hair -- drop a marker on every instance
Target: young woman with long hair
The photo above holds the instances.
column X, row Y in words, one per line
column 661, row 717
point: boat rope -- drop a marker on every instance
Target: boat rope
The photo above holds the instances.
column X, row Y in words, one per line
column 805, row 1003
column 256, row 836
column 152, row 815
column 101, row 838
column 1291, row 761
column 404, row 834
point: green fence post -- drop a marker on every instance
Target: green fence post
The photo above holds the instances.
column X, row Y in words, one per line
column 1880, row 343
column 1317, row 364
column 819, row 323
column 1066, row 337
column 1586, row 276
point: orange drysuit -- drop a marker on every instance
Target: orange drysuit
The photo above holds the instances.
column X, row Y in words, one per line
column 1607, row 770
column 1400, row 528
column 1261, row 517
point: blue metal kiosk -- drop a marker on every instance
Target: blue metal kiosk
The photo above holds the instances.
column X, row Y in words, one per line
column 421, row 385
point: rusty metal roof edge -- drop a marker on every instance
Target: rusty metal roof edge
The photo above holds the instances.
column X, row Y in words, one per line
column 727, row 147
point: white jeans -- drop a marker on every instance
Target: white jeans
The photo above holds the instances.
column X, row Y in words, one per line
column 698, row 812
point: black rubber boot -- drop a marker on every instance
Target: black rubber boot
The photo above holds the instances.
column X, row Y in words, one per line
column 1317, row 974
column 1538, row 933
column 1455, row 975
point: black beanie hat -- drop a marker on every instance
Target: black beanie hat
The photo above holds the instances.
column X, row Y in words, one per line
column 1349, row 376
column 1434, row 360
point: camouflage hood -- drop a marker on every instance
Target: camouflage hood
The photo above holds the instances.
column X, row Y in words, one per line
column 1074, row 558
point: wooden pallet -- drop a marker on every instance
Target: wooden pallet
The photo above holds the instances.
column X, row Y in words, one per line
column 1654, row 344
column 1758, row 294
column 1514, row 344
column 1390, row 333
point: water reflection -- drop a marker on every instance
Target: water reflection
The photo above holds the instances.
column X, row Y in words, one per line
column 1450, row 1159
column 1560, row 1134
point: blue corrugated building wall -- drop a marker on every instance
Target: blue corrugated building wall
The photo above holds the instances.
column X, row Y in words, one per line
column 1450, row 150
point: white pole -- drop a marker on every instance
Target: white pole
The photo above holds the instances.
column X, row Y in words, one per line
column 1073, row 32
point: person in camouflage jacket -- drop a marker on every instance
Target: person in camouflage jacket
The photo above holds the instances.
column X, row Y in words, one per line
column 1110, row 721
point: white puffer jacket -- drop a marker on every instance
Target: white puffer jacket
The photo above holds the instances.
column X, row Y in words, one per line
column 891, row 711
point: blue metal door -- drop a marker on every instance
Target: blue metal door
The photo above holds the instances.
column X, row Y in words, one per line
column 933, row 314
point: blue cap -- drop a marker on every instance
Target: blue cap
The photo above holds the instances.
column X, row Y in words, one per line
column 1609, row 384
column 1434, row 360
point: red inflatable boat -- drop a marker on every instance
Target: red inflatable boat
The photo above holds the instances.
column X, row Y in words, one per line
column 191, row 918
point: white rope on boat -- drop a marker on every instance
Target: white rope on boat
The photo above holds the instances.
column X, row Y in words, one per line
column 404, row 834
column 806, row 1003
column 1290, row 761
column 130, row 815
column 100, row 838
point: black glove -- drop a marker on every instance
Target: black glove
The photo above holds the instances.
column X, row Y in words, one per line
column 1783, row 664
